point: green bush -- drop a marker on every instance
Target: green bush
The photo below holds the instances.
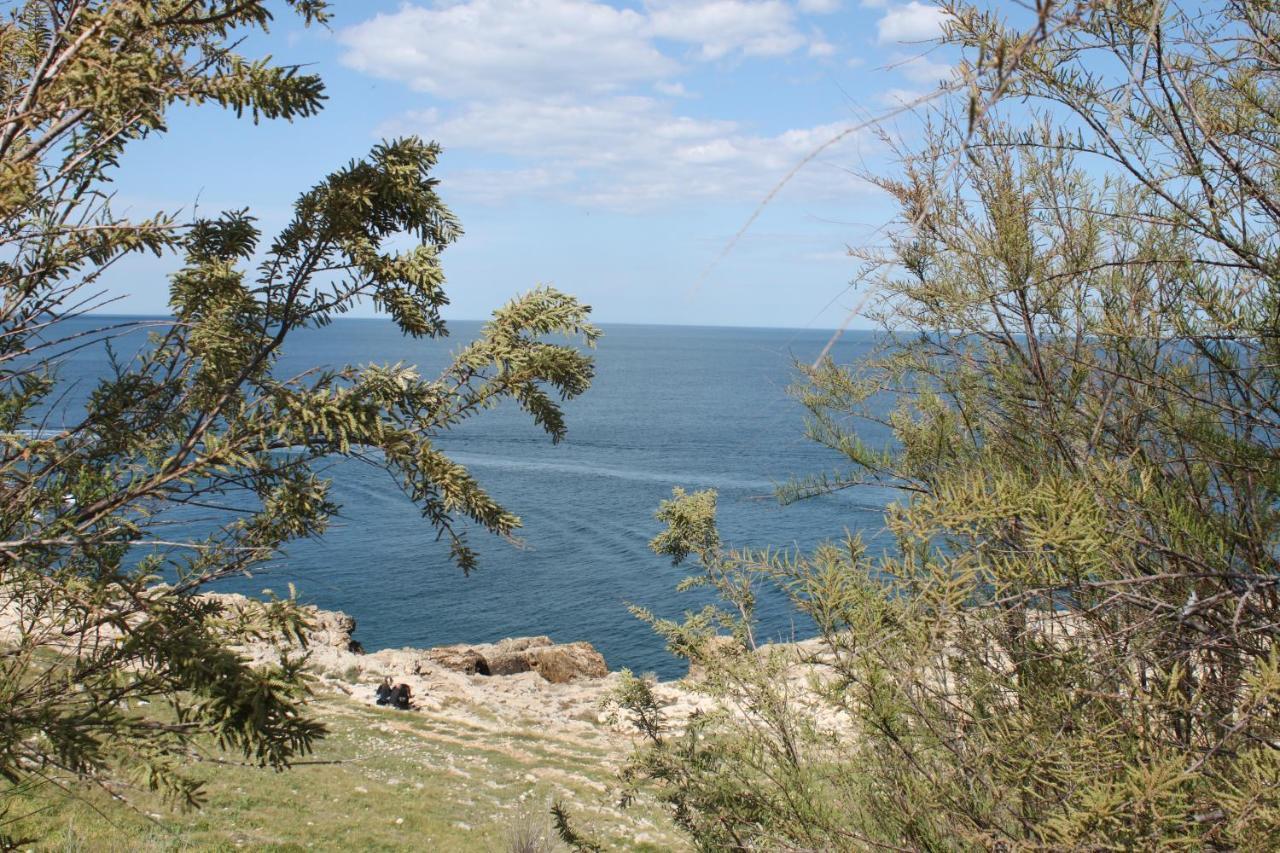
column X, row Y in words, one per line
column 1074, row 642
column 88, row 509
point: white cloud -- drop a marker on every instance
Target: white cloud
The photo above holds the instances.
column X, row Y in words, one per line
column 922, row 69
column 549, row 92
column 913, row 22
column 628, row 153
column 819, row 47
column 586, row 134
column 500, row 47
column 491, row 48
column 494, row 186
column 674, row 90
column 818, row 7
column 720, row 27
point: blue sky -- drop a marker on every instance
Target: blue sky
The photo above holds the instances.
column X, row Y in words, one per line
column 609, row 149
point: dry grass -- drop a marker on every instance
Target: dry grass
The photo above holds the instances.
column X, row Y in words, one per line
column 382, row 780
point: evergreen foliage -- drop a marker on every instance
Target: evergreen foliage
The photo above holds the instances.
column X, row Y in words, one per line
column 201, row 417
column 1074, row 644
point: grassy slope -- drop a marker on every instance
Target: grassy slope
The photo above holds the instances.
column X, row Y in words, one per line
column 402, row 781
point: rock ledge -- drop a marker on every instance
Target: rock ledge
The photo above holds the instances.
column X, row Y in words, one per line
column 333, row 649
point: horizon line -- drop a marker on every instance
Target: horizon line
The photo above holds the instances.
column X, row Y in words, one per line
column 107, row 315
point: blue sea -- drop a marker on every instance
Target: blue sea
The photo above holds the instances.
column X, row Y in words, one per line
column 671, row 406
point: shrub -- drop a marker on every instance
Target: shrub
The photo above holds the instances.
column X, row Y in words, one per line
column 1074, row 643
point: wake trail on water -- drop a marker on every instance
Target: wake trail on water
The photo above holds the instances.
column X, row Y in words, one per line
column 473, row 460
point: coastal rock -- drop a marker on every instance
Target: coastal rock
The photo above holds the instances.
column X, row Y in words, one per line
column 512, row 655
column 333, row 629
column 557, row 663
column 563, row 663
column 329, row 629
column 464, row 659
column 558, row 687
column 508, row 663
column 519, row 644
column 333, row 651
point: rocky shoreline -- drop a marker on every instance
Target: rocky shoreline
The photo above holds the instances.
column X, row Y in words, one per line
column 331, row 644
column 518, row 682
column 513, row 685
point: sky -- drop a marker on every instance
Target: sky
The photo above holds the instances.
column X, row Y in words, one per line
column 612, row 150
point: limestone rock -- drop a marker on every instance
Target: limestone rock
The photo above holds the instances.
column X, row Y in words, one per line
column 332, row 651
column 563, row 663
column 332, row 628
column 508, row 663
column 512, row 655
column 464, row 659
column 557, row 663
column 518, row 644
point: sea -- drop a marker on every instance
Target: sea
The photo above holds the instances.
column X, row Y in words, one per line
column 671, row 406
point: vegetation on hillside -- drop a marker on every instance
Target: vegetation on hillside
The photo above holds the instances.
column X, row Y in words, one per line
column 1074, row 643
column 443, row 780
column 91, row 503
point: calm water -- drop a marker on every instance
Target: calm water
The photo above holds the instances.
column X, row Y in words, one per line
column 695, row 407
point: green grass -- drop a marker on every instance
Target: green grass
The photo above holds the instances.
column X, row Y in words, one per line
column 382, row 780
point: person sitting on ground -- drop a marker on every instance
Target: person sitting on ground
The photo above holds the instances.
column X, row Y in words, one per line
column 400, row 697
column 385, row 691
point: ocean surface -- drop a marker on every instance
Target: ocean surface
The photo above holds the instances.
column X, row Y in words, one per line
column 671, row 406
